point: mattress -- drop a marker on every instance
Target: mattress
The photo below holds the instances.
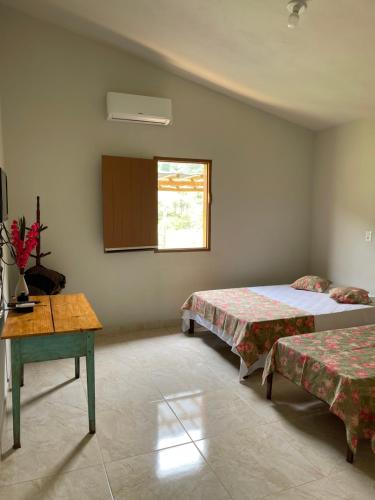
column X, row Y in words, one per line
column 328, row 314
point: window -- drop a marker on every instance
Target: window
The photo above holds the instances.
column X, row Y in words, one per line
column 160, row 204
column 183, row 204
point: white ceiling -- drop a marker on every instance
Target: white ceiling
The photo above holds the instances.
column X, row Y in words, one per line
column 321, row 74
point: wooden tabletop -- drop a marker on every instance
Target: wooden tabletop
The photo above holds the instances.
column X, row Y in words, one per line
column 55, row 314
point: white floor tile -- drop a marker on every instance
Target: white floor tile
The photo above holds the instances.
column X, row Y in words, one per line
column 174, row 423
column 178, row 473
column 137, row 429
column 83, row 484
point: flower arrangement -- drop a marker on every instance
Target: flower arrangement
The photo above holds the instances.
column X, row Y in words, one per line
column 23, row 241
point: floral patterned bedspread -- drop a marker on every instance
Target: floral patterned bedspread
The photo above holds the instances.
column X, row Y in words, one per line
column 337, row 366
column 251, row 323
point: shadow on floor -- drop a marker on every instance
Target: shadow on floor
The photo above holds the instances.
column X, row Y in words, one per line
column 284, row 403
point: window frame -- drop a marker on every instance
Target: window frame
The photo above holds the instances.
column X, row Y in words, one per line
column 208, row 204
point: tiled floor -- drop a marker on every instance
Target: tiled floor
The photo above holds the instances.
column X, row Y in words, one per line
column 173, row 422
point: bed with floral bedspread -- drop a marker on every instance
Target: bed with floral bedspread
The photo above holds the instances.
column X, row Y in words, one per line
column 338, row 367
column 249, row 322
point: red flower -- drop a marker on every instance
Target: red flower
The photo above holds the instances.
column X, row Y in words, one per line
column 331, row 367
column 368, row 433
column 23, row 242
column 307, row 385
column 290, row 330
column 302, row 359
column 310, row 322
column 355, row 396
column 366, row 415
column 341, row 397
column 245, row 347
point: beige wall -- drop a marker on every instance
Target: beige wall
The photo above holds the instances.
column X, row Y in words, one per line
column 344, row 204
column 54, row 85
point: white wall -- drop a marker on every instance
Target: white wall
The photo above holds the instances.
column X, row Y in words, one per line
column 344, row 204
column 54, row 85
column 3, row 378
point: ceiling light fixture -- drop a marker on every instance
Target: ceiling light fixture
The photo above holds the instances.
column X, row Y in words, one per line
column 296, row 8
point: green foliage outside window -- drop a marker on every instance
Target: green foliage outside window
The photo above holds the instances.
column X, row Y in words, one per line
column 180, row 213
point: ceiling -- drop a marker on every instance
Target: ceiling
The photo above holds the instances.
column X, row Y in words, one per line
column 319, row 75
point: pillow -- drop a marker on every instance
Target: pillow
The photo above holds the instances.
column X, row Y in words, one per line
column 350, row 295
column 311, row 283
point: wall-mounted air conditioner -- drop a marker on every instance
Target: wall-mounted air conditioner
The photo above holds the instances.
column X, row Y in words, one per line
column 138, row 109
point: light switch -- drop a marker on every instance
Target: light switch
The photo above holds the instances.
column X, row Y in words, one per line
column 368, row 236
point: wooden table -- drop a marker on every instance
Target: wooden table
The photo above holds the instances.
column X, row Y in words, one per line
column 61, row 326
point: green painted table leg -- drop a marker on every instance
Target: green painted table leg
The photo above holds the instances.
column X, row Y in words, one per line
column 45, row 348
column 16, row 381
column 90, row 369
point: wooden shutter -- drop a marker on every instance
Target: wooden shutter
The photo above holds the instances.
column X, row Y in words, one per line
column 129, row 203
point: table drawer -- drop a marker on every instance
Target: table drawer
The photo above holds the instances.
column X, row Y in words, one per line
column 50, row 347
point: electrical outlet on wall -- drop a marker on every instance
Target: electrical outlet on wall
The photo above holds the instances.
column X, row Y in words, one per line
column 368, row 236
